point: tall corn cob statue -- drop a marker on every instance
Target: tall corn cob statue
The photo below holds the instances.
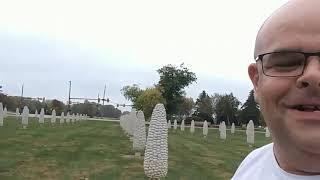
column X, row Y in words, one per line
column 156, row 153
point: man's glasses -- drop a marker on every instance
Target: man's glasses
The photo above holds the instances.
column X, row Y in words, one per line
column 284, row 64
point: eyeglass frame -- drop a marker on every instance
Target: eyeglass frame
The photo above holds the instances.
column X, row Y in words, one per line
column 306, row 56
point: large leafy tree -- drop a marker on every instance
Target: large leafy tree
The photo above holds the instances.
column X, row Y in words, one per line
column 172, row 82
column 250, row 110
column 204, row 108
column 32, row 104
column 132, row 93
column 148, row 99
column 226, row 108
column 185, row 108
column 57, row 105
column 110, row 111
column 11, row 102
column 89, row 108
column 144, row 100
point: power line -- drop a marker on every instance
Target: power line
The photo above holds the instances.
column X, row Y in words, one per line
column 104, row 99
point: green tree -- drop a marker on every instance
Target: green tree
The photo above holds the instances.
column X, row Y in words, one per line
column 110, row 111
column 250, row 110
column 186, row 106
column 148, row 99
column 226, row 108
column 144, row 100
column 204, row 107
column 11, row 102
column 89, row 108
column 33, row 105
column 132, row 93
column 172, row 82
column 57, row 105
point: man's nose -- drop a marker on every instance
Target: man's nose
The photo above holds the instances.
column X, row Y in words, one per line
column 311, row 74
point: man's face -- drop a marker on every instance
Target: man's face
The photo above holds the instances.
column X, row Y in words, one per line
column 278, row 96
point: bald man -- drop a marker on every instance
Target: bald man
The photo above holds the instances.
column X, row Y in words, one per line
column 286, row 80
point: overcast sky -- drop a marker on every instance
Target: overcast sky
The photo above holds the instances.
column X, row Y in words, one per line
column 44, row 44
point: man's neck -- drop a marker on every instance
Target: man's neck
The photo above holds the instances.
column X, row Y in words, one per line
column 295, row 161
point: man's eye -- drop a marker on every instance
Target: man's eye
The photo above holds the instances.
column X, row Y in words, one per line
column 288, row 64
column 284, row 63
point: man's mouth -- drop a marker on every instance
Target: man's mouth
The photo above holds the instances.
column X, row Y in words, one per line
column 306, row 108
column 305, row 113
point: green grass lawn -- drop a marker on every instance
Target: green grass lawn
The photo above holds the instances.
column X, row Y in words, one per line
column 99, row 150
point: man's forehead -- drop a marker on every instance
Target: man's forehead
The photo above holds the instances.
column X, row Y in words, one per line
column 294, row 26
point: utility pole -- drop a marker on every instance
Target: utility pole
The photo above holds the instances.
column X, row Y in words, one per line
column 69, row 102
column 21, row 98
column 22, row 91
column 104, row 94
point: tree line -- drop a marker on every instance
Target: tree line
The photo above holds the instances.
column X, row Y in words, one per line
column 90, row 108
column 227, row 108
column 170, row 91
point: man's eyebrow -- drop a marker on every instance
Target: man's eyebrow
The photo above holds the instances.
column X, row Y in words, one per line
column 288, row 50
column 281, row 49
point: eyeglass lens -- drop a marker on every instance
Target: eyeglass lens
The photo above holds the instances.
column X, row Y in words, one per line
column 283, row 64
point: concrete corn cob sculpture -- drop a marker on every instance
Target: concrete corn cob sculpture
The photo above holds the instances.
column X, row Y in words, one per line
column 182, row 126
column 25, row 117
column 192, row 126
column 41, row 116
column 205, row 129
column 53, row 117
column 139, row 136
column 156, row 153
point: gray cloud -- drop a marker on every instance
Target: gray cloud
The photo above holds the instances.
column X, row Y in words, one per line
column 45, row 67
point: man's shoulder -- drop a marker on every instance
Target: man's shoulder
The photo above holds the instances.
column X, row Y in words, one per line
column 259, row 154
column 255, row 163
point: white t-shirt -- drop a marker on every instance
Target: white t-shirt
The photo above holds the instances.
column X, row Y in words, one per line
column 261, row 164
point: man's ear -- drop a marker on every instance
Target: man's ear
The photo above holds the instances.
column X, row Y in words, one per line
column 254, row 76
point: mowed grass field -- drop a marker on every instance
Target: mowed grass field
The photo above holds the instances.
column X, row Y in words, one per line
column 101, row 151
